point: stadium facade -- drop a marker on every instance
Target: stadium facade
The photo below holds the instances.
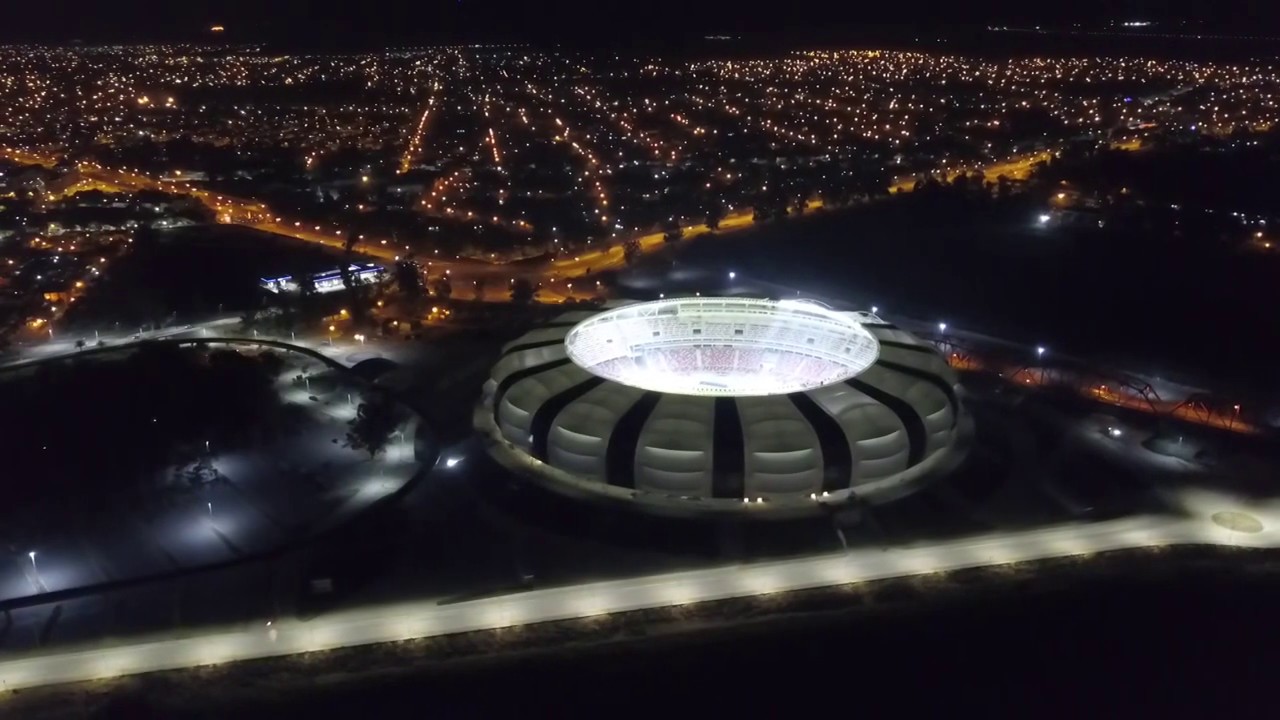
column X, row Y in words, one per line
column 772, row 408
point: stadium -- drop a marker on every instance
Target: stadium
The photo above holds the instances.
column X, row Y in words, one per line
column 693, row 406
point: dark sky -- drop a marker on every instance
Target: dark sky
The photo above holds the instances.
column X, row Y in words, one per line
column 381, row 22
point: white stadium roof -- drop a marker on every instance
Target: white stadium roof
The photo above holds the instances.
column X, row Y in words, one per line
column 724, row 404
column 722, row 346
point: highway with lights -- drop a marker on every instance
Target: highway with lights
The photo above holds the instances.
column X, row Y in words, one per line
column 427, row 618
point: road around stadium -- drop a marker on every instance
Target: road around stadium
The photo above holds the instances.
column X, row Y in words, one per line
column 1203, row 517
column 1210, row 520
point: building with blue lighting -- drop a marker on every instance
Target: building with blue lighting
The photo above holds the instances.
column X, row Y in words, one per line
column 328, row 281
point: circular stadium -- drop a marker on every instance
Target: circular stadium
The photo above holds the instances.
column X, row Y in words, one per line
column 728, row 405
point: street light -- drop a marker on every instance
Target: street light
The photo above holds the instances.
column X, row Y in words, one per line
column 32, row 555
column 1040, row 351
column 210, row 511
column 449, row 462
column 942, row 327
column 732, row 274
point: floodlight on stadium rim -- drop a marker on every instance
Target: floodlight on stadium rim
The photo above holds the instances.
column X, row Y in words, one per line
column 722, row 346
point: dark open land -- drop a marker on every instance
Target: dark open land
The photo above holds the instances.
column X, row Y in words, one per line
column 987, row 268
column 196, row 271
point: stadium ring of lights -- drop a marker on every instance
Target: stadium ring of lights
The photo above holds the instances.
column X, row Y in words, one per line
column 693, row 406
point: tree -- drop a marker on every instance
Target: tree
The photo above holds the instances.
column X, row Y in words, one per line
column 80, row 344
column 308, row 307
column 147, row 196
column 522, row 291
column 408, row 278
column 442, row 288
column 715, row 214
column 193, row 210
column 376, row 419
column 306, row 284
column 283, row 309
column 357, row 295
column 671, row 230
column 1003, row 186
column 630, row 250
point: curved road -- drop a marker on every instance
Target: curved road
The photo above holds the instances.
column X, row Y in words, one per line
column 426, row 618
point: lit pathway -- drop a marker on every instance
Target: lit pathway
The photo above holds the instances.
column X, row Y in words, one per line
column 425, row 618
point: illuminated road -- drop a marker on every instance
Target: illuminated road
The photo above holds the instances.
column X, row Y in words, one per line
column 555, row 275
column 425, row 618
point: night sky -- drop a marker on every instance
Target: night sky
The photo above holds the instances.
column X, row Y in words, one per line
column 378, row 22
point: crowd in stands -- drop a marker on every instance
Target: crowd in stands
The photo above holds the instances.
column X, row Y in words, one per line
column 708, row 361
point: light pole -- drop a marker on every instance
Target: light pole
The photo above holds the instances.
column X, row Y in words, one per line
column 331, row 329
column 1040, row 352
column 942, row 327
column 34, row 569
column 1235, row 415
column 210, row 511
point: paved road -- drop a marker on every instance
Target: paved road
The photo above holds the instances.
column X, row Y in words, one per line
column 557, row 276
column 425, row 618
column 64, row 345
